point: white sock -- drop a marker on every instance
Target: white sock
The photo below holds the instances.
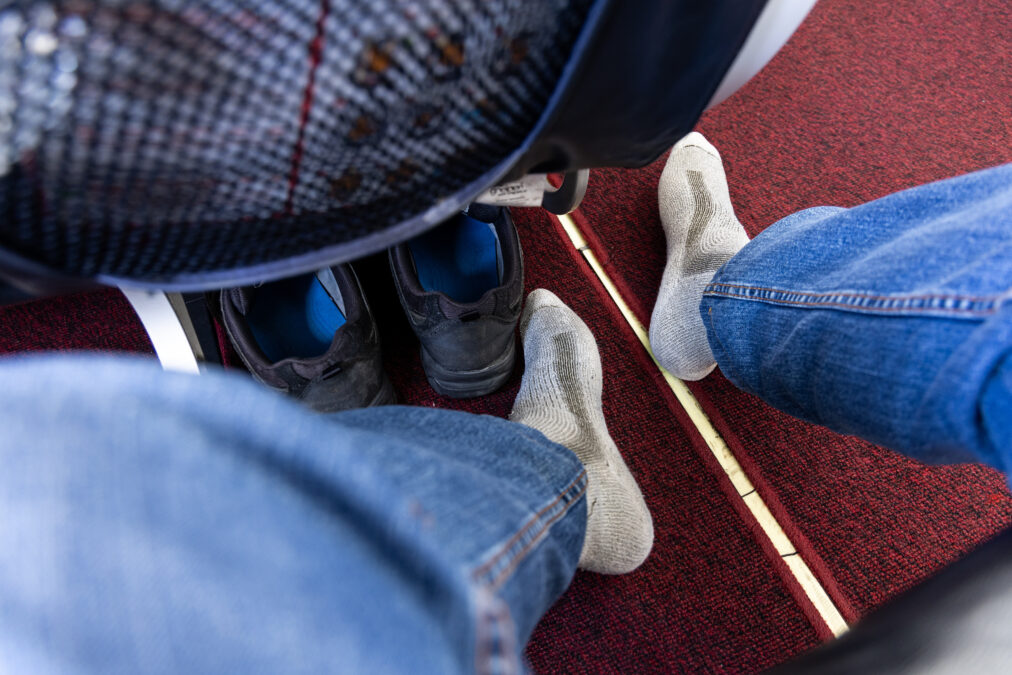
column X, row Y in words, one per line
column 702, row 234
column 560, row 396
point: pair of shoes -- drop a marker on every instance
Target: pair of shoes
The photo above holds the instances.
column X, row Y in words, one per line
column 314, row 337
column 461, row 286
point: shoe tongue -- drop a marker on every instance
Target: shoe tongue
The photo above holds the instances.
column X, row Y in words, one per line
column 455, row 310
column 329, row 283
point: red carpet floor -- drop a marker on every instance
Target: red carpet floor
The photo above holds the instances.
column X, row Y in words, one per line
column 867, row 98
column 95, row 321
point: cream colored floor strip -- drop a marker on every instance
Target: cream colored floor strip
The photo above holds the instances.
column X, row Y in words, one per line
column 781, row 543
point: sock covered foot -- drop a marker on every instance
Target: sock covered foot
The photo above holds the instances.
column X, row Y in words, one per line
column 560, row 396
column 702, row 234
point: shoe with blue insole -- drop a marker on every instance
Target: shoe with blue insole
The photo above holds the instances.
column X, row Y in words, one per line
column 461, row 286
column 312, row 337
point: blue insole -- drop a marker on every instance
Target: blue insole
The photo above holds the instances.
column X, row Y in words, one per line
column 457, row 258
column 294, row 317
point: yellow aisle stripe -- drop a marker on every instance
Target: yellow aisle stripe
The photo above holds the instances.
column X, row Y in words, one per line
column 781, row 542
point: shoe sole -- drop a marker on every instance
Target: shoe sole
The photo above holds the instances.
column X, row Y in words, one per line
column 469, row 383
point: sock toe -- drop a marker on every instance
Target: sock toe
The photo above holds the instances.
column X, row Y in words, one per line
column 620, row 535
column 538, row 299
column 542, row 297
column 685, row 354
column 695, row 139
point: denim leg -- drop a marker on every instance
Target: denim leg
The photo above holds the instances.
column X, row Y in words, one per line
column 154, row 522
column 891, row 321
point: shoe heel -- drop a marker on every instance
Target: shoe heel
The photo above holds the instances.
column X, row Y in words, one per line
column 469, row 383
column 386, row 395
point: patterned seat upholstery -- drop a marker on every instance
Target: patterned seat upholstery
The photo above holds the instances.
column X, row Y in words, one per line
column 199, row 144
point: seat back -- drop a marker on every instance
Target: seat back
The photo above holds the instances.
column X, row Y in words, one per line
column 187, row 145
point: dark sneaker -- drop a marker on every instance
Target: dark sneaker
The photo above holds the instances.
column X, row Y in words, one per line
column 312, row 337
column 461, row 286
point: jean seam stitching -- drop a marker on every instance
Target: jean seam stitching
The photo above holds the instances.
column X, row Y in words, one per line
column 567, row 496
column 516, row 559
column 487, row 647
column 870, row 296
column 898, row 304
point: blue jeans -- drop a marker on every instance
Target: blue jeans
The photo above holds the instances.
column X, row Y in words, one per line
column 891, row 321
column 158, row 522
column 154, row 522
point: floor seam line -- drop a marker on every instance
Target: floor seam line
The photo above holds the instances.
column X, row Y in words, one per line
column 744, row 488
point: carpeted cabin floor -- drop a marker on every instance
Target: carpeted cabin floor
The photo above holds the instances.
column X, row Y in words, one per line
column 866, row 99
